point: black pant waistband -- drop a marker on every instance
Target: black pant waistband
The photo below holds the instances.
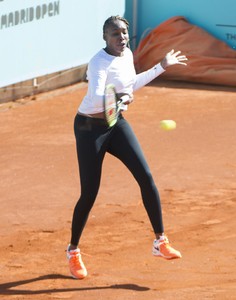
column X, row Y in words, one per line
column 91, row 121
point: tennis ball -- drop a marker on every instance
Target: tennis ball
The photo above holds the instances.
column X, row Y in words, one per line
column 167, row 125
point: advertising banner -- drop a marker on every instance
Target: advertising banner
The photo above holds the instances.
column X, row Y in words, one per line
column 40, row 37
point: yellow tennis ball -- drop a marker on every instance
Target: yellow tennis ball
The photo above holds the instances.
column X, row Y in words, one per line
column 167, row 125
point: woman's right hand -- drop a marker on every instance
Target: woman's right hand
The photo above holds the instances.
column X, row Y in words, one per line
column 125, row 98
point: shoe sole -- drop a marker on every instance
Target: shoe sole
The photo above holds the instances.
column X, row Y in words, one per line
column 158, row 254
column 80, row 278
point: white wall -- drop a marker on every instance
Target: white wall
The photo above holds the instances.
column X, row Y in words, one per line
column 40, row 37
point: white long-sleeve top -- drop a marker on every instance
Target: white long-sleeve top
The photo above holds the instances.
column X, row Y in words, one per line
column 104, row 69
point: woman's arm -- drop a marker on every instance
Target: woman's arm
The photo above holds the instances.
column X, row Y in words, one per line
column 147, row 76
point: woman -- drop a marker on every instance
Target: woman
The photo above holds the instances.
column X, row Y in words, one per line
column 114, row 64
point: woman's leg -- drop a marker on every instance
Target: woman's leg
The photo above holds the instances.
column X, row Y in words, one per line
column 90, row 150
column 125, row 146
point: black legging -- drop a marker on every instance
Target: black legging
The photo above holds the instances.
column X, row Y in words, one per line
column 93, row 140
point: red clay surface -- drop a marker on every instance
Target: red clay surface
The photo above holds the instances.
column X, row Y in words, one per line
column 194, row 167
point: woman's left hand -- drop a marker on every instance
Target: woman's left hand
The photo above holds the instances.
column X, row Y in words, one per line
column 173, row 58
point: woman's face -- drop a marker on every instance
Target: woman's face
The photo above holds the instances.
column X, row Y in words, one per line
column 116, row 37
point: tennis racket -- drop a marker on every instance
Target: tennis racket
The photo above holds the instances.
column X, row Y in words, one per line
column 112, row 105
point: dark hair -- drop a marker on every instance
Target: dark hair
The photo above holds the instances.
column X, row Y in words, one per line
column 111, row 20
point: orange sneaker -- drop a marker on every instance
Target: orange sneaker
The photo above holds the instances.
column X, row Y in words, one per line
column 76, row 265
column 162, row 248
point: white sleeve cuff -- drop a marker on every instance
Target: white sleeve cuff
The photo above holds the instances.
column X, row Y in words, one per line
column 159, row 69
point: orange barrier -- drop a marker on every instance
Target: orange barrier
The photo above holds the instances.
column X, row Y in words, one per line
column 211, row 61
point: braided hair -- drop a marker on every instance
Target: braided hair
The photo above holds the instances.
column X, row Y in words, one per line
column 111, row 20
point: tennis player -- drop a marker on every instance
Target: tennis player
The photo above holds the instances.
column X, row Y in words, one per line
column 114, row 64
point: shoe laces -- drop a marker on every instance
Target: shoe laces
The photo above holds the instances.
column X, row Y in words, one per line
column 76, row 260
column 164, row 241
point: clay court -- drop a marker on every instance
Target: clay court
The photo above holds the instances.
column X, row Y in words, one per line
column 194, row 167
